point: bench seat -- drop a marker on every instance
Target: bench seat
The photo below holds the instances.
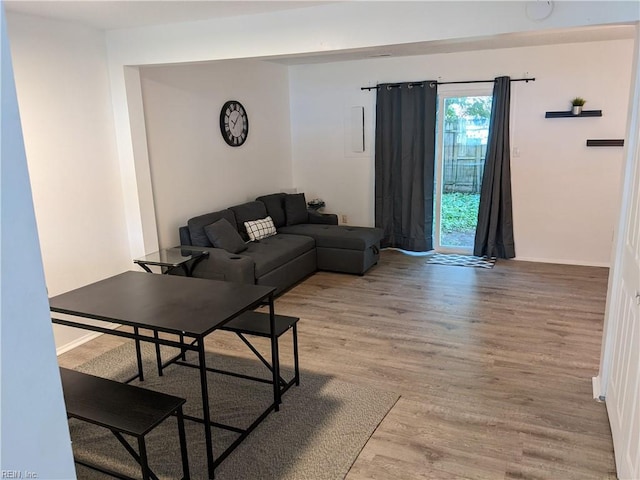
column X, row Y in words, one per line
column 258, row 324
column 121, row 408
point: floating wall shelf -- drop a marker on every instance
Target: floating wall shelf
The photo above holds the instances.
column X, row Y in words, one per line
column 584, row 113
column 617, row 142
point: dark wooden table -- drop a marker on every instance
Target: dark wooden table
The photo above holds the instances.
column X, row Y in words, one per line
column 190, row 308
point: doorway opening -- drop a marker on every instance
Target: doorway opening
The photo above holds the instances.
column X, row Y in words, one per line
column 463, row 129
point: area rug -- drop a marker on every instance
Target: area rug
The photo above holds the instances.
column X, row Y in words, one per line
column 461, row 260
column 321, row 427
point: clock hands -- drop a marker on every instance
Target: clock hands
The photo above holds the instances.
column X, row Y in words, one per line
column 236, row 121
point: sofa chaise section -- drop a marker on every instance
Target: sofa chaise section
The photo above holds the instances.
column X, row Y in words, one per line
column 339, row 248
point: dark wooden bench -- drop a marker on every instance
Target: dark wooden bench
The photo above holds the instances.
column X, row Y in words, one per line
column 123, row 409
column 257, row 324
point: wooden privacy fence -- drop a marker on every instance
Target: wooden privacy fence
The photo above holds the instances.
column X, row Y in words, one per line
column 464, row 149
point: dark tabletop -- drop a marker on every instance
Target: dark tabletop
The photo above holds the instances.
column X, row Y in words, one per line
column 168, row 303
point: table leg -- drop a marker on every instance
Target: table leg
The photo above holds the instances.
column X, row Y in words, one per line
column 206, row 415
column 145, row 268
column 296, row 364
column 275, row 356
column 184, row 352
column 138, row 354
column 158, row 357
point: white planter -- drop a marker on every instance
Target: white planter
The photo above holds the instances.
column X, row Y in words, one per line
column 576, row 110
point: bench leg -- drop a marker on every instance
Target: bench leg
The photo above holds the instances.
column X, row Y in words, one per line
column 140, row 456
column 144, row 464
column 275, row 356
column 183, row 445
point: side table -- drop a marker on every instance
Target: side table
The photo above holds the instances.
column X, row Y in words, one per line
column 170, row 258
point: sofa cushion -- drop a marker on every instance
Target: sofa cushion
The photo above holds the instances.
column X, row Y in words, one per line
column 273, row 252
column 295, row 208
column 248, row 212
column 222, row 234
column 196, row 226
column 337, row 236
column 259, row 229
column 275, row 207
column 185, row 236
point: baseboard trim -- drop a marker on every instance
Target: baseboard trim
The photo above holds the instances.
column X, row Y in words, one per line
column 597, row 389
column 83, row 339
column 561, row 261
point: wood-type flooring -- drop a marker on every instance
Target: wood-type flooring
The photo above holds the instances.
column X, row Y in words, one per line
column 493, row 366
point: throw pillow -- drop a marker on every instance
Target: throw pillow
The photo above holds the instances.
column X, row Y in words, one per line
column 196, row 226
column 221, row 234
column 248, row 212
column 295, row 207
column 275, row 208
column 259, row 229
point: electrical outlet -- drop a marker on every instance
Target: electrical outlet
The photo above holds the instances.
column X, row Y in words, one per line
column 343, row 219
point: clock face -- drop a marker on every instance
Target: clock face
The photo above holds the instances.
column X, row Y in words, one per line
column 234, row 123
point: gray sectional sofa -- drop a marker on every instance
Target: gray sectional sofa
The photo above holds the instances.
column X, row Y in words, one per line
column 306, row 241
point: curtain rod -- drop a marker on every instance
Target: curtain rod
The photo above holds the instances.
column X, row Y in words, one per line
column 527, row 80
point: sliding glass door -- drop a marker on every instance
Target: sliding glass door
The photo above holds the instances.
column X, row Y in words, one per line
column 463, row 128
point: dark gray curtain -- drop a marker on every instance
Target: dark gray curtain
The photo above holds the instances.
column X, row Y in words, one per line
column 494, row 233
column 405, row 153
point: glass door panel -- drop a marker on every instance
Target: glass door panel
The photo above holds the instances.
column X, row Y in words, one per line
column 464, row 128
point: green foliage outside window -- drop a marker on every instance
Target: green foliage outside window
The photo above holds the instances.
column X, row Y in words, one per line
column 459, row 212
column 468, row 107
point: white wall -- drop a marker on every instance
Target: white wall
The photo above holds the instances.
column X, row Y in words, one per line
column 193, row 170
column 334, row 26
column 63, row 93
column 565, row 195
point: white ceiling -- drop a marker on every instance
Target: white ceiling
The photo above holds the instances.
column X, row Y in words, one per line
column 511, row 40
column 114, row 14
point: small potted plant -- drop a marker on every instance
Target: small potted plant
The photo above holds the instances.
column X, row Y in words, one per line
column 577, row 104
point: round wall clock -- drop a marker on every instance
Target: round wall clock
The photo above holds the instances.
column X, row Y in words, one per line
column 234, row 123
